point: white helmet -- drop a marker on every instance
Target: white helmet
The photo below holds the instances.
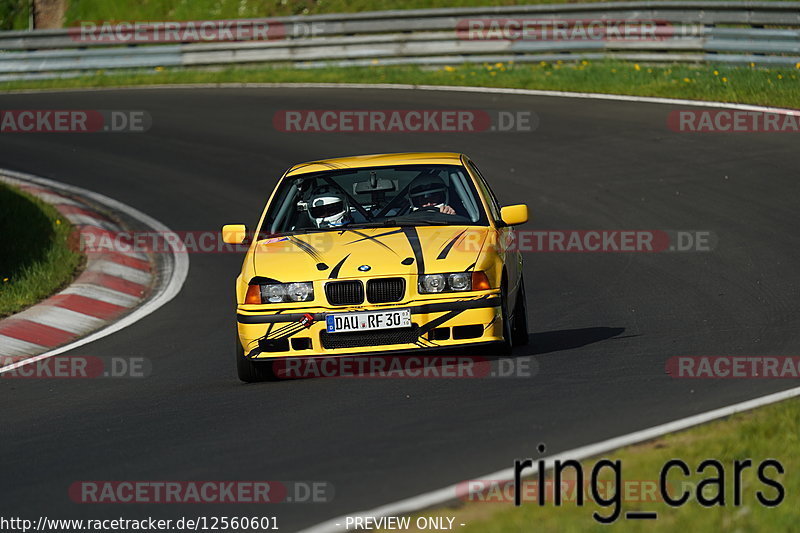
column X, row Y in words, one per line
column 426, row 191
column 328, row 208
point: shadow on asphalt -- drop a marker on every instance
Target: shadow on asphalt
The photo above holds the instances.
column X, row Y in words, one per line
column 568, row 339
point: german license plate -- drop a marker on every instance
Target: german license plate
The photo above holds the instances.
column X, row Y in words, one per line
column 368, row 320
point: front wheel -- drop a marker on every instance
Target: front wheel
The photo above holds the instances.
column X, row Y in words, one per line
column 519, row 334
column 251, row 371
column 508, row 332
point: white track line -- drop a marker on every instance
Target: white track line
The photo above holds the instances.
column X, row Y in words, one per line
column 453, row 88
column 174, row 274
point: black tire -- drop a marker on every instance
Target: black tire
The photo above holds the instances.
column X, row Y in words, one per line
column 519, row 333
column 250, row 371
column 508, row 336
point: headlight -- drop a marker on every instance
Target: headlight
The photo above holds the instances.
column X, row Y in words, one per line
column 455, row 282
column 300, row 292
column 432, row 283
column 275, row 293
column 460, row 281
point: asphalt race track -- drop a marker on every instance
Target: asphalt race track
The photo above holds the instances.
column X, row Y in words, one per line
column 603, row 325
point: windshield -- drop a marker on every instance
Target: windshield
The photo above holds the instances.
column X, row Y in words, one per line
column 405, row 195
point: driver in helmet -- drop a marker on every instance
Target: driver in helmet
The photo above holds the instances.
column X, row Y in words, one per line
column 328, row 208
column 430, row 192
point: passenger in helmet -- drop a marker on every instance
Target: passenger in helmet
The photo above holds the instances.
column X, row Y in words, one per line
column 429, row 192
column 328, row 208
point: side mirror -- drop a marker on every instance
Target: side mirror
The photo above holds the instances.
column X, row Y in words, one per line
column 511, row 215
column 234, row 233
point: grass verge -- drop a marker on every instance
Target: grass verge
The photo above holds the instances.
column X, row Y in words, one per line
column 36, row 259
column 778, row 87
column 163, row 10
column 768, row 432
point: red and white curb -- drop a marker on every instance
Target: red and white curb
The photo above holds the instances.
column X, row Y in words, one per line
column 114, row 290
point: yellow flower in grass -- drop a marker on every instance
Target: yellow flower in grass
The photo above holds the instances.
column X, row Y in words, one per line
column 716, row 73
column 544, row 64
column 780, row 76
column 5, row 280
column 724, row 79
column 637, row 67
column 58, row 222
column 614, row 70
column 499, row 65
column 752, row 65
column 584, row 62
column 687, row 80
column 159, row 69
column 448, row 68
column 797, row 65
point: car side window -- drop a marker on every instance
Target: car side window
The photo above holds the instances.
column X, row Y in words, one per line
column 494, row 205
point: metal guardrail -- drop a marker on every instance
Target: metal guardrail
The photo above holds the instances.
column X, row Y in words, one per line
column 765, row 33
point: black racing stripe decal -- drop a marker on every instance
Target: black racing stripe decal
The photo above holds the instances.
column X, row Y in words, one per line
column 435, row 323
column 373, row 238
column 338, row 267
column 307, row 248
column 460, row 305
column 439, row 307
column 416, row 247
column 281, row 330
column 271, row 319
column 287, row 331
column 449, row 246
column 470, row 267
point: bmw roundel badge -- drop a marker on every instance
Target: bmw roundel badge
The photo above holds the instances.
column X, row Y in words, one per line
column 364, row 268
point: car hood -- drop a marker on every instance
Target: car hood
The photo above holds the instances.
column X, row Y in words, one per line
column 369, row 252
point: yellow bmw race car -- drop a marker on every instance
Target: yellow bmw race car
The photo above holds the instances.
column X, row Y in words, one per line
column 376, row 254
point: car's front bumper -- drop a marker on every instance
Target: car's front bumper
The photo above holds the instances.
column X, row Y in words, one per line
column 438, row 323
